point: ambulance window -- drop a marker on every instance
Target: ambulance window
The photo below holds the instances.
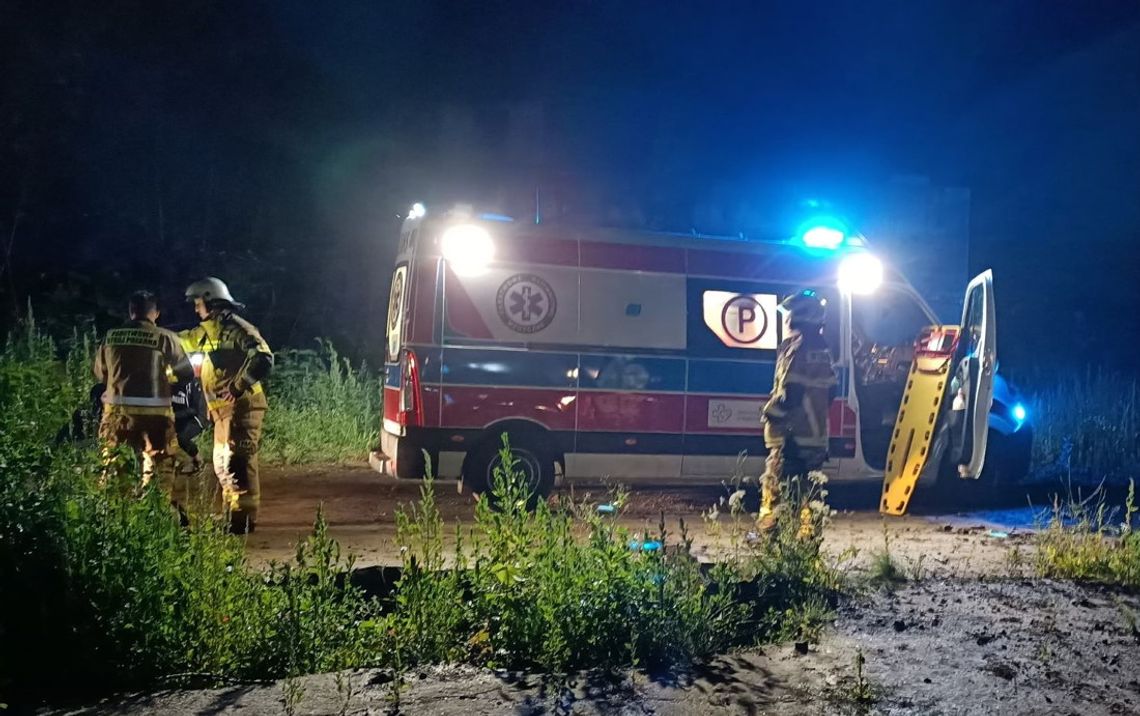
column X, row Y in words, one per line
column 889, row 317
column 396, row 312
column 831, row 326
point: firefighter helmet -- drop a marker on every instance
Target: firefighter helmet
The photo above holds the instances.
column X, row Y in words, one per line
column 210, row 289
column 805, row 308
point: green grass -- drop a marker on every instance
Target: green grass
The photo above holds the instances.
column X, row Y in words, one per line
column 321, row 409
column 560, row 587
column 884, row 570
column 101, row 590
column 1087, row 426
column 1086, row 542
column 99, row 583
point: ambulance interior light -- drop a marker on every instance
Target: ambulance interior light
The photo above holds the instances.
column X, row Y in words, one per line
column 467, row 248
column 860, row 274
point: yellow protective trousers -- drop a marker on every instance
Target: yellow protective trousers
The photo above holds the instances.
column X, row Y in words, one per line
column 151, row 435
column 785, row 461
column 237, row 437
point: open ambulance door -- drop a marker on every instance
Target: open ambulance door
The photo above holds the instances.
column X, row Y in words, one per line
column 944, row 413
column 977, row 365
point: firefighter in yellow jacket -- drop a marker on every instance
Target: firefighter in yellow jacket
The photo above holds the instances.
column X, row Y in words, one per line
column 235, row 359
column 796, row 415
column 135, row 363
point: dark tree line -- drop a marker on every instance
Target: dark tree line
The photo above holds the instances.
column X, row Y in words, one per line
column 144, row 144
column 275, row 143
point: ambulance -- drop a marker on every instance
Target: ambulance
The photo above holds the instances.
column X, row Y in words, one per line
column 614, row 355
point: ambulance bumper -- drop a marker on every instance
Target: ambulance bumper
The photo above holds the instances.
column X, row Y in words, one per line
column 382, row 459
column 380, row 463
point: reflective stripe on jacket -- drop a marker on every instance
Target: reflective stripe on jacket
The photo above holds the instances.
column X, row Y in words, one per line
column 234, row 355
column 801, row 393
column 135, row 363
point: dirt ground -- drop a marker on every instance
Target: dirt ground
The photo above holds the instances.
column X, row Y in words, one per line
column 966, row 635
column 360, row 507
column 938, row 646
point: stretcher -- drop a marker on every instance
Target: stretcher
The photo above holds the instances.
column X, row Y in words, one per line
column 911, row 453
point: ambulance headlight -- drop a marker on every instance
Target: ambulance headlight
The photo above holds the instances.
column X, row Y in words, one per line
column 417, row 211
column 467, row 248
column 860, row 274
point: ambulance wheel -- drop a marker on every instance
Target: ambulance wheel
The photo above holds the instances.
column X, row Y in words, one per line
column 534, row 462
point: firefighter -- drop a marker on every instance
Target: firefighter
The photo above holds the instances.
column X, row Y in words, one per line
column 135, row 364
column 796, row 415
column 235, row 359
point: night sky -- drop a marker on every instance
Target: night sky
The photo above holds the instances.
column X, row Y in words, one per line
column 274, row 143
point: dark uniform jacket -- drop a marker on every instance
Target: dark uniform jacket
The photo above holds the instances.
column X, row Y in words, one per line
column 801, row 393
column 136, row 363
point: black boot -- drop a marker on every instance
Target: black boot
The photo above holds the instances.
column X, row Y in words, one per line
column 241, row 523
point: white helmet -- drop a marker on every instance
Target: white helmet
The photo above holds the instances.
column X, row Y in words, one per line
column 210, row 289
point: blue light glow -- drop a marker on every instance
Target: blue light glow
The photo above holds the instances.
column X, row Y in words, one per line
column 496, row 217
column 823, row 237
column 1020, row 413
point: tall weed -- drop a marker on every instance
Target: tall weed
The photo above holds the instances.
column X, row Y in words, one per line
column 1087, row 427
column 1084, row 542
column 321, row 408
column 98, row 582
column 564, row 586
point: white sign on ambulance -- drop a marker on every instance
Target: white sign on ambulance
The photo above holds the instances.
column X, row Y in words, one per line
column 735, row 414
column 742, row 320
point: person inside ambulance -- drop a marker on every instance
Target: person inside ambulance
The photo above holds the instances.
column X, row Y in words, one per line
column 795, row 417
column 135, row 364
column 235, row 360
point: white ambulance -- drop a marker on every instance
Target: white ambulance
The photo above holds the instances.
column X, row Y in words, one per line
column 627, row 356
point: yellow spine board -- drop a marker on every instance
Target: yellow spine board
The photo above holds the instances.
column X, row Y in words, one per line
column 914, row 431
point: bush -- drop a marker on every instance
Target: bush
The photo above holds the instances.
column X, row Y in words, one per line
column 1086, row 544
column 100, row 587
column 320, row 408
column 566, row 587
column 101, row 584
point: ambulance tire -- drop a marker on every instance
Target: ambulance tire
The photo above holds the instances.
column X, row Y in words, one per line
column 535, row 462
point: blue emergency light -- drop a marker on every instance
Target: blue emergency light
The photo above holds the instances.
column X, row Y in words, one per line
column 823, row 232
column 823, row 237
column 1020, row 413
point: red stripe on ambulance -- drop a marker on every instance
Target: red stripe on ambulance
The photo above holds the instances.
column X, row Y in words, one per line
column 631, row 412
column 478, row 406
